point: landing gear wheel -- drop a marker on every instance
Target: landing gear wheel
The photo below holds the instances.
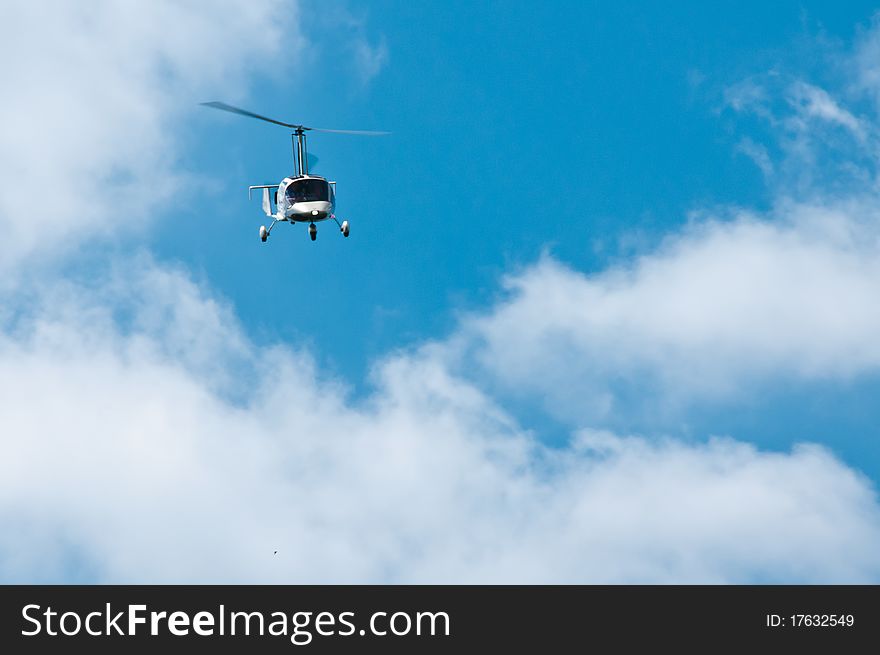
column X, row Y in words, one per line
column 264, row 234
column 344, row 228
column 313, row 231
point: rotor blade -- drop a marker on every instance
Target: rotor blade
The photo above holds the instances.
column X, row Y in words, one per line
column 360, row 132
column 244, row 112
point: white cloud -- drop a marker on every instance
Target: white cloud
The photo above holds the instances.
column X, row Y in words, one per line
column 121, row 457
column 717, row 307
column 93, row 95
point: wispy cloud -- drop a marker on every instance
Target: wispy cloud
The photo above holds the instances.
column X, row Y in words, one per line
column 758, row 154
column 369, row 58
column 359, row 47
column 822, row 148
column 810, row 102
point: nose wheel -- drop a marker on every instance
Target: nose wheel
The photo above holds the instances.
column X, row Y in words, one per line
column 313, row 231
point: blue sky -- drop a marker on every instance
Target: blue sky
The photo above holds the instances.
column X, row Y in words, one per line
column 606, row 314
column 588, row 130
column 596, row 115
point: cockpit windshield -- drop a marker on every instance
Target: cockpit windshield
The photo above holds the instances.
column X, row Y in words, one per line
column 308, row 190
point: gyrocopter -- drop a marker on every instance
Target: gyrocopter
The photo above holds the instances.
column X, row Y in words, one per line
column 301, row 197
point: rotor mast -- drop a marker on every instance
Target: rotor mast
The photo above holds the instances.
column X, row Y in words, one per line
column 298, row 138
column 300, row 156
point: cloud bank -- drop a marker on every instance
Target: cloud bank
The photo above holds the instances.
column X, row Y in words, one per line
column 127, row 462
